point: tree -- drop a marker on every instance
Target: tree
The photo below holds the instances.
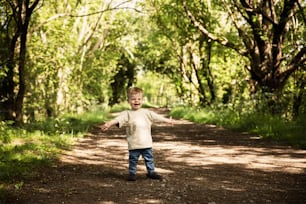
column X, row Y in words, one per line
column 265, row 30
column 175, row 48
column 74, row 49
column 12, row 84
column 123, row 79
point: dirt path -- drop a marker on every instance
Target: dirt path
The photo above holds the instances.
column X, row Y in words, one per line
column 200, row 164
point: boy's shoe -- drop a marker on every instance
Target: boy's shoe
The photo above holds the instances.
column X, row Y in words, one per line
column 154, row 176
column 131, row 177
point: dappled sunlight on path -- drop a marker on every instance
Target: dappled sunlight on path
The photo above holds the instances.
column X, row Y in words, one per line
column 96, row 151
column 199, row 163
column 265, row 159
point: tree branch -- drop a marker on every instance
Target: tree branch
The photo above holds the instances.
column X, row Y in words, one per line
column 247, row 41
column 33, row 6
column 102, row 11
column 203, row 30
column 254, row 24
column 298, row 61
column 61, row 15
column 302, row 13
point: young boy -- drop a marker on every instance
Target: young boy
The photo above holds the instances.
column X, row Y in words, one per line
column 138, row 132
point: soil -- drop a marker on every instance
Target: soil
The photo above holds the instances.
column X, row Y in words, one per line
column 199, row 163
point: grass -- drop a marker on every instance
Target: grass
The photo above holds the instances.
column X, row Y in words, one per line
column 262, row 124
column 38, row 144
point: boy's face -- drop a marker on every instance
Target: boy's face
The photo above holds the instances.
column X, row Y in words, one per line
column 135, row 101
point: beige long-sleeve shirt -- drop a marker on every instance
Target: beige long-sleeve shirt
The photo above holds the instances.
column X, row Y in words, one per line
column 138, row 126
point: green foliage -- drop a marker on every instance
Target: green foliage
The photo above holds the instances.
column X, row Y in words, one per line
column 73, row 56
column 36, row 144
column 73, row 59
column 72, row 124
column 74, row 49
column 120, row 107
column 260, row 123
column 159, row 89
column 5, row 131
column 193, row 114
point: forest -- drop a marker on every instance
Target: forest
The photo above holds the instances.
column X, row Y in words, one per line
column 64, row 65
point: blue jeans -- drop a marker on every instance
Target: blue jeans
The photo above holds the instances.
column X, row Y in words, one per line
column 147, row 155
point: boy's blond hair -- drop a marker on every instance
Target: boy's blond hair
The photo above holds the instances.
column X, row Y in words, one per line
column 134, row 90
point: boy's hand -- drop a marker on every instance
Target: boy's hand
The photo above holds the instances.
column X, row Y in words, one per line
column 105, row 127
column 171, row 121
column 108, row 124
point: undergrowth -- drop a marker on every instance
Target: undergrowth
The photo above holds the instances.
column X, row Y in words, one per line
column 263, row 124
column 36, row 144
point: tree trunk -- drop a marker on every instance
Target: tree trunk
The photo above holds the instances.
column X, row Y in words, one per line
column 199, row 85
column 299, row 95
column 21, row 74
column 122, row 80
column 8, row 84
column 12, row 103
column 207, row 71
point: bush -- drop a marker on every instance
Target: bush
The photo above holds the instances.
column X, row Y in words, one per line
column 262, row 124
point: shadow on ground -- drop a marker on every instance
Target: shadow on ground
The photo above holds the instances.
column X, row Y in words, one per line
column 200, row 164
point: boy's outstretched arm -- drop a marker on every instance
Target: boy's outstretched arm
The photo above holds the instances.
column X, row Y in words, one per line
column 108, row 124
